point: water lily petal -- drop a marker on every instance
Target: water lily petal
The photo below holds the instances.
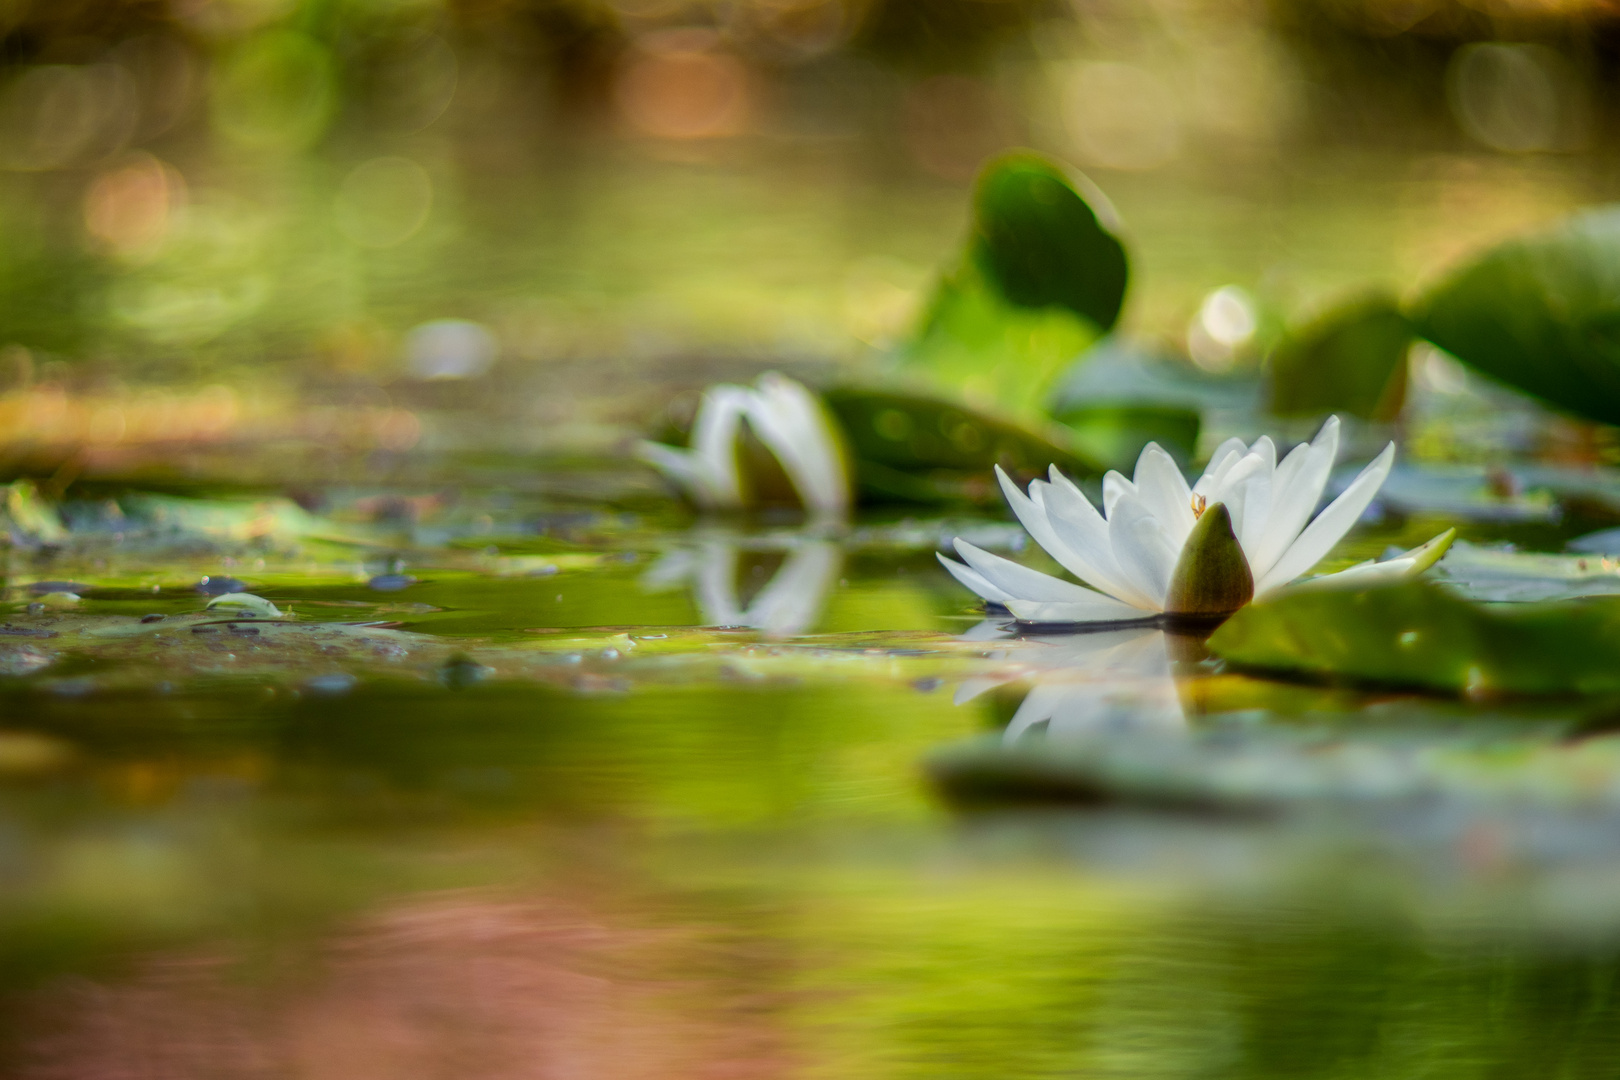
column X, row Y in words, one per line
column 973, row 580
column 687, row 471
column 1032, row 516
column 1165, row 492
column 1296, row 491
column 1142, row 548
column 1114, row 486
column 1104, row 609
column 1019, row 581
column 1086, row 533
column 1258, row 495
column 714, row 439
column 1245, row 485
column 1330, row 526
column 796, row 427
column 1224, row 457
column 1081, row 547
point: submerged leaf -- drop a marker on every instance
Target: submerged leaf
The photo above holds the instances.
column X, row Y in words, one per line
column 1541, row 313
column 1420, row 636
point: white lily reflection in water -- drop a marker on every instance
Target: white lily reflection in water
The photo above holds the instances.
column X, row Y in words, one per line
column 1089, row 683
column 779, row 586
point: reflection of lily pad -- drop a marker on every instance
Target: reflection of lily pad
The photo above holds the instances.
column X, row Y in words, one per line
column 1276, row 767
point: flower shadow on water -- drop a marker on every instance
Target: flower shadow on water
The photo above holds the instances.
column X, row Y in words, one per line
column 735, row 584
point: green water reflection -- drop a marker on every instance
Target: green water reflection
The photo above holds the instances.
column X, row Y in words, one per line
column 746, row 873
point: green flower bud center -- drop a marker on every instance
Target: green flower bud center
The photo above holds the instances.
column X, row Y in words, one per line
column 1212, row 576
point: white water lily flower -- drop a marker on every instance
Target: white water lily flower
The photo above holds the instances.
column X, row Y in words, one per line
column 783, row 415
column 1243, row 531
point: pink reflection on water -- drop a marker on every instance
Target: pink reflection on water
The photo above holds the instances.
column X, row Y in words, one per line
column 461, row 986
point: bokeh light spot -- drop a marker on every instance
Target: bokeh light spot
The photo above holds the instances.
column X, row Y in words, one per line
column 1225, row 323
column 1516, row 98
column 128, row 208
column 56, row 116
column 449, row 349
column 384, row 202
column 1121, row 116
column 276, row 92
column 680, row 84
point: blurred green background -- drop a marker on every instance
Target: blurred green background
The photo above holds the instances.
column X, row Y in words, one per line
column 349, row 219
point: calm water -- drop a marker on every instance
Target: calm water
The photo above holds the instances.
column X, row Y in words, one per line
column 529, row 822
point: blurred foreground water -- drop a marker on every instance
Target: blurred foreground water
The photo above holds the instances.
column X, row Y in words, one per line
column 488, row 796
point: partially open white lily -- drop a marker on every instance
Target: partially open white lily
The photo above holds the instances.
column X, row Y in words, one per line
column 1243, row 531
column 786, row 418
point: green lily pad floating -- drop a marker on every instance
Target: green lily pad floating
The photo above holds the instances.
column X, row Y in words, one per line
column 1043, row 276
column 1420, row 636
column 912, row 448
column 1352, row 359
column 1495, row 574
column 1541, row 313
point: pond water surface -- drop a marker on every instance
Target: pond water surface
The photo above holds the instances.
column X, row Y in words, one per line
column 540, row 787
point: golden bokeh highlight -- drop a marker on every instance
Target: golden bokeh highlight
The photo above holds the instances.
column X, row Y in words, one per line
column 684, row 84
column 128, row 209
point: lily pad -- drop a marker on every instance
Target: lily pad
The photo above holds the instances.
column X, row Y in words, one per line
column 1352, row 359
column 1043, row 276
column 1041, row 243
column 912, row 448
column 1420, row 636
column 1498, row 574
column 1540, row 313
column 975, row 342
